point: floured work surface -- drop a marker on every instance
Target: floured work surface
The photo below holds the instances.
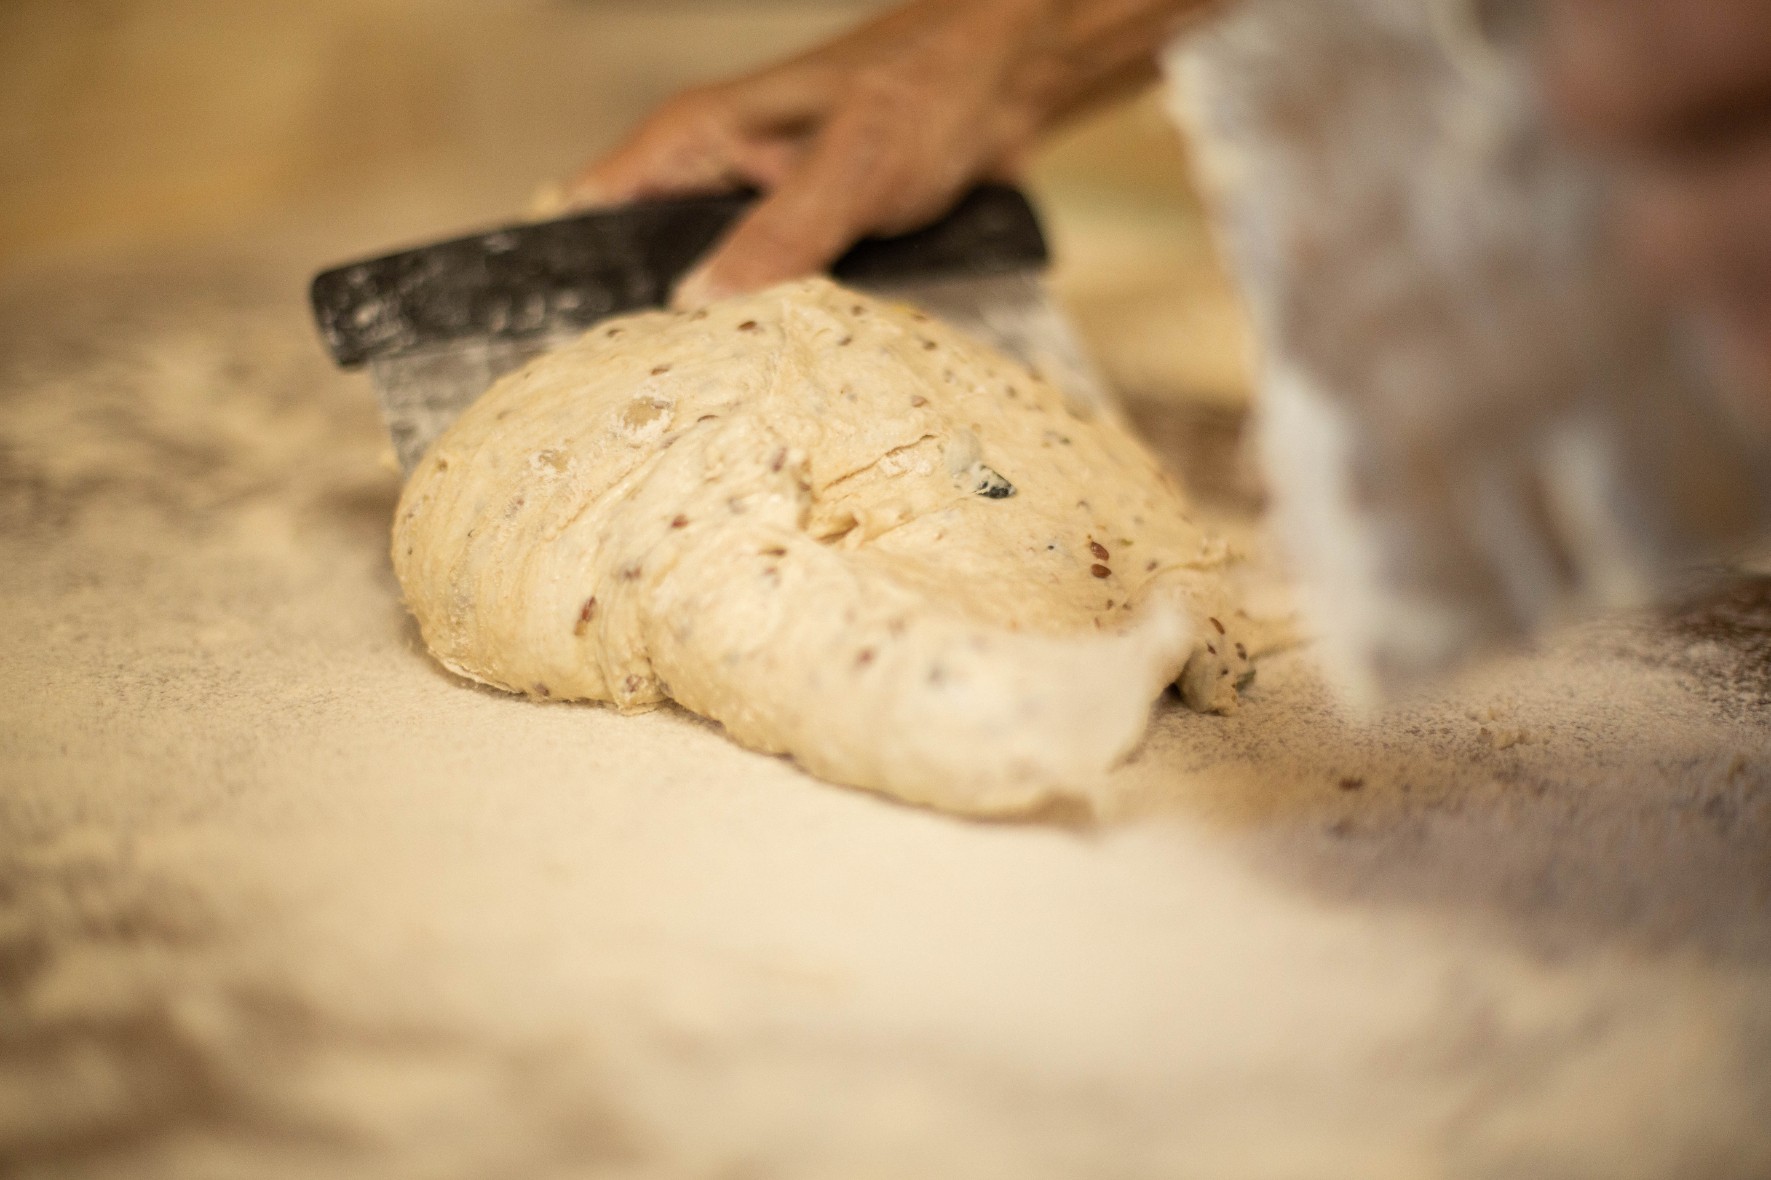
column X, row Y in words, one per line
column 838, row 527
column 278, row 897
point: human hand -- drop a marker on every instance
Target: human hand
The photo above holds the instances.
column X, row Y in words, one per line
column 882, row 129
column 1679, row 93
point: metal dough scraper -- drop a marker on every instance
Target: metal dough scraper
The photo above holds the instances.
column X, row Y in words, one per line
column 437, row 325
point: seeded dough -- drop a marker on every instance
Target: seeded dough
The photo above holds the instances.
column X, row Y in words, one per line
column 843, row 530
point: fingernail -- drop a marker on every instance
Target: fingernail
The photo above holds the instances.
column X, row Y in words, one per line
column 696, row 290
column 582, row 192
column 549, row 200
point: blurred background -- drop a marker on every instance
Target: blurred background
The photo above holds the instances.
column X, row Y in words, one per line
column 350, row 126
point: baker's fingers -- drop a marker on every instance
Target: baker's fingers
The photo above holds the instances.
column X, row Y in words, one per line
column 709, row 138
column 1654, row 70
column 766, row 162
column 875, row 167
column 789, row 234
column 684, row 146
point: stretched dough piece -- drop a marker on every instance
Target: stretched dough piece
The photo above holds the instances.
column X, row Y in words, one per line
column 843, row 530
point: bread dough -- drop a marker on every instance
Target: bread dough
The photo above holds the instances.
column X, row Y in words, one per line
column 838, row 527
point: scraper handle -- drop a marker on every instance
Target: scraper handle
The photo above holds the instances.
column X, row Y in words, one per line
column 550, row 277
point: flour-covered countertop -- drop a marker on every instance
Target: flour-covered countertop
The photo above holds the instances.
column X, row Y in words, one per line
column 278, row 897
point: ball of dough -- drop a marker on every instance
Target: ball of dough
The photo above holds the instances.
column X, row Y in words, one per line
column 843, row 530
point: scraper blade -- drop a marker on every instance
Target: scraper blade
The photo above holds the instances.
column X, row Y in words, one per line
column 437, row 325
